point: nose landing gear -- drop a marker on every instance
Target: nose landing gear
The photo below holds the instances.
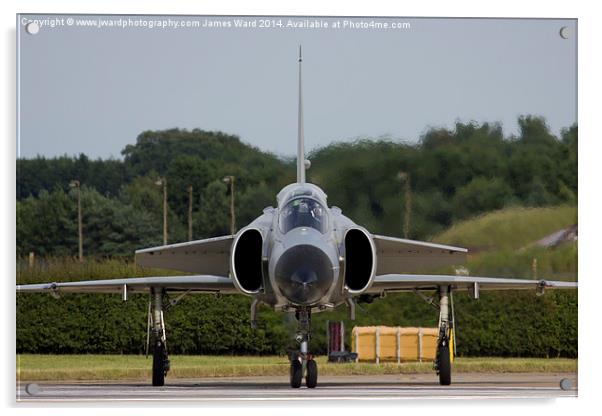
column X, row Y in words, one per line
column 302, row 362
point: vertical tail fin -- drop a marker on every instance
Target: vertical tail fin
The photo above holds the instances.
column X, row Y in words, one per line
column 300, row 138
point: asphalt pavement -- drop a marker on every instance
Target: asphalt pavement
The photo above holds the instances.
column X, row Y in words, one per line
column 276, row 389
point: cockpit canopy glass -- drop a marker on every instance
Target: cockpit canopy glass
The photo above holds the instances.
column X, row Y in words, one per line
column 303, row 212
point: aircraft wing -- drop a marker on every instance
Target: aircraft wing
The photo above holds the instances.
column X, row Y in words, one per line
column 411, row 282
column 398, row 255
column 197, row 284
column 210, row 256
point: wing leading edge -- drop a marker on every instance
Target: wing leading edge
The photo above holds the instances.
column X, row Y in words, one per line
column 197, row 284
column 411, row 282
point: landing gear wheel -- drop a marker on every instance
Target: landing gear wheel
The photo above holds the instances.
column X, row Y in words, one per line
column 159, row 364
column 296, row 373
column 444, row 364
column 311, row 378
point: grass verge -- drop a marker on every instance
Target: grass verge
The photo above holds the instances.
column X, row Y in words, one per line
column 510, row 228
column 32, row 367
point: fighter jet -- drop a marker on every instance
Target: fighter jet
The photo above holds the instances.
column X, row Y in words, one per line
column 302, row 257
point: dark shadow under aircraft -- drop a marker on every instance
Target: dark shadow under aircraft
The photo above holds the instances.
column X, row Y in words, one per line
column 302, row 257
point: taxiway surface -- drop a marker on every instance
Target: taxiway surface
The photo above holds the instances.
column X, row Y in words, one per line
column 262, row 389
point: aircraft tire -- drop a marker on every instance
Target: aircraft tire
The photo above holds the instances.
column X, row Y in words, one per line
column 296, row 374
column 311, row 378
column 444, row 364
column 159, row 364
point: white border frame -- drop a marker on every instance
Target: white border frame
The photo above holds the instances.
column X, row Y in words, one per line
column 589, row 169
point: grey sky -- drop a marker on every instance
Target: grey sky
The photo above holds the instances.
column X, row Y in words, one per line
column 93, row 90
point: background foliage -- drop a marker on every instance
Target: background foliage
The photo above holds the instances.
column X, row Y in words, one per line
column 455, row 175
column 517, row 324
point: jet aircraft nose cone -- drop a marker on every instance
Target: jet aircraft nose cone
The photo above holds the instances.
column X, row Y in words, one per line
column 304, row 276
column 304, row 273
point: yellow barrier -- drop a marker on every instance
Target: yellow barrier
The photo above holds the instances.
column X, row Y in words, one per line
column 383, row 343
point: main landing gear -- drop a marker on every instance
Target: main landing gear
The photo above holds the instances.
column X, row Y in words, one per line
column 445, row 351
column 157, row 324
column 302, row 362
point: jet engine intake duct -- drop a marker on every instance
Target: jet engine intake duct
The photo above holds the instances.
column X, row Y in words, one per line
column 246, row 261
column 360, row 260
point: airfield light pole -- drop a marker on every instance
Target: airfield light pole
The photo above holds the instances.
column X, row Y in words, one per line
column 163, row 182
column 190, row 213
column 76, row 184
column 230, row 180
column 407, row 191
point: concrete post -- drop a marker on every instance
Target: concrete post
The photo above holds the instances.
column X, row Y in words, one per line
column 164, row 211
column 190, row 213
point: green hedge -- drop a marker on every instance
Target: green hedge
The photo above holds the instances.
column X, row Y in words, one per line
column 499, row 324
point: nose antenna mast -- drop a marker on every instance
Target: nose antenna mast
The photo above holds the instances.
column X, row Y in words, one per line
column 300, row 138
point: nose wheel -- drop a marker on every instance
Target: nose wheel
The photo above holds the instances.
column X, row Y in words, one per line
column 297, row 371
column 311, row 374
column 302, row 362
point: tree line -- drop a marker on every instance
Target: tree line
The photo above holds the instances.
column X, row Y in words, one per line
column 452, row 174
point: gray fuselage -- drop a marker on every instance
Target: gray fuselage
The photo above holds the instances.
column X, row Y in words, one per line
column 302, row 251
